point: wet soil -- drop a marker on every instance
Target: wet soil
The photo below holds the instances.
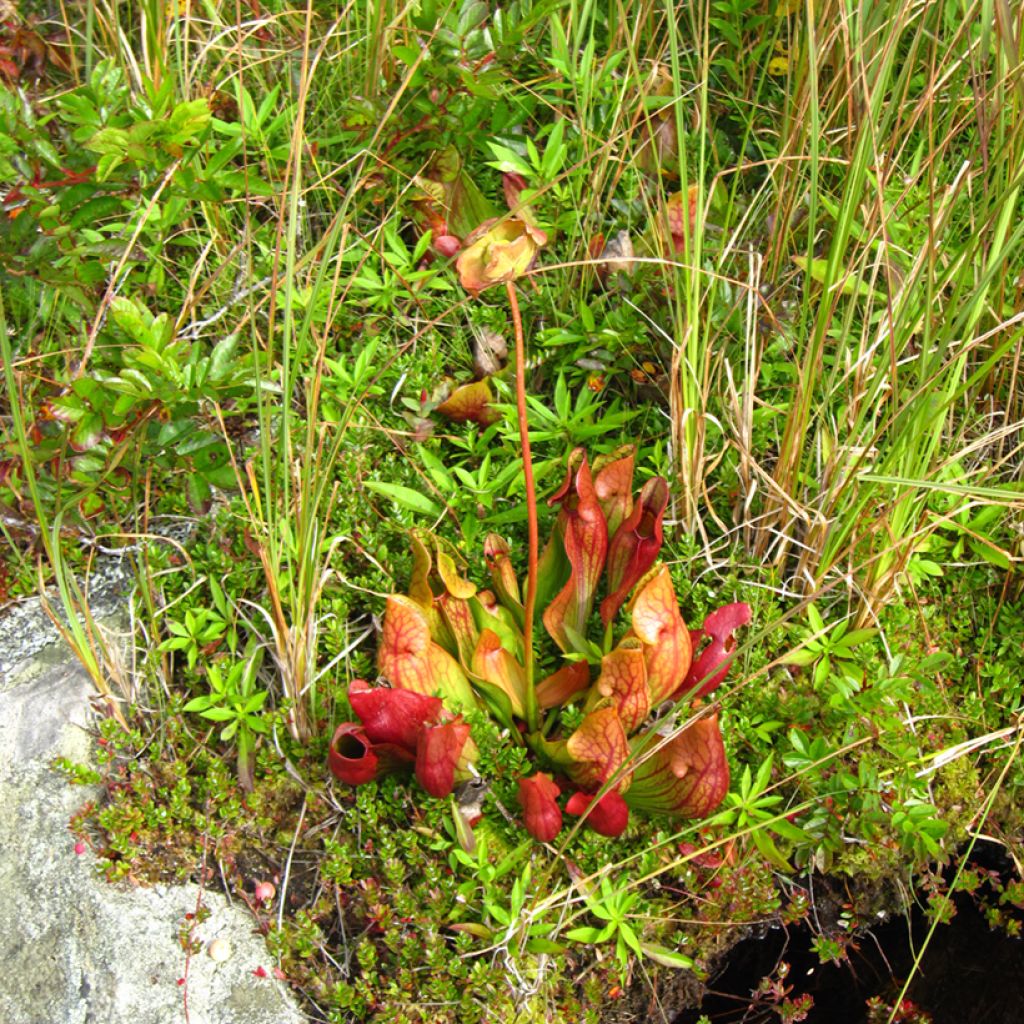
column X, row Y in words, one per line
column 969, row 973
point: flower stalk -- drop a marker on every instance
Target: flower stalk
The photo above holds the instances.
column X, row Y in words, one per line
column 531, row 510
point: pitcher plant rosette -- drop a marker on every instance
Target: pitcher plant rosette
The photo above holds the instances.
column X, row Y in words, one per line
column 448, row 648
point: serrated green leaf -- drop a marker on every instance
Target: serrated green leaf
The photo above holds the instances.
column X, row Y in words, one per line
column 508, row 160
column 246, row 181
column 789, row 831
column 188, row 119
column 175, row 643
column 821, row 671
column 221, row 476
column 630, row 938
column 437, row 469
column 108, row 141
column 407, row 54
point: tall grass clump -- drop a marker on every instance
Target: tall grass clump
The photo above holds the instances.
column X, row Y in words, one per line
column 842, row 312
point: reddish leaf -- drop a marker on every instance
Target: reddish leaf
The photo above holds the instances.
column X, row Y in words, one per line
column 688, row 777
column 454, row 585
column 609, row 816
column 675, row 216
column 709, row 860
column 470, row 403
column 459, row 624
column 561, row 686
column 711, row 665
column 392, row 716
column 410, row 660
column 512, row 185
column 585, row 538
column 89, row 505
column 635, row 546
column 503, row 575
column 438, row 754
column 355, row 760
column 438, row 588
column 447, row 245
column 449, row 203
column 351, row 757
column 660, row 147
column 494, row 664
column 541, row 815
column 428, row 214
column 613, row 485
column 405, row 638
column 599, row 748
column 658, row 624
column 425, row 584
column 623, row 680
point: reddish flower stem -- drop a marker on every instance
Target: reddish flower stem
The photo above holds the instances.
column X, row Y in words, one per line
column 531, row 509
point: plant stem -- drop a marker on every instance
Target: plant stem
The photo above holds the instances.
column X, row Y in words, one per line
column 531, row 508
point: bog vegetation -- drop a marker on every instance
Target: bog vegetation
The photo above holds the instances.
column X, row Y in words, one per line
column 323, row 316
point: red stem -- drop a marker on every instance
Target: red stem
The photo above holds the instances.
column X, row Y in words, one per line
column 531, row 508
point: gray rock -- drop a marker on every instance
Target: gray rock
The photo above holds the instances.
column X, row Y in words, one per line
column 77, row 950
column 45, row 718
column 27, row 632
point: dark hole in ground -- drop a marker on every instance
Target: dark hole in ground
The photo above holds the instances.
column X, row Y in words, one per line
column 970, row 973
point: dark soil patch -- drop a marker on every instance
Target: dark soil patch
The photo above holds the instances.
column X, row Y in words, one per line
column 969, row 973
